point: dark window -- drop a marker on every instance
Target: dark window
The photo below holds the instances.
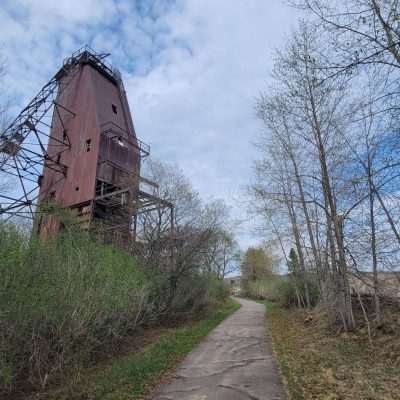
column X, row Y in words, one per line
column 52, row 195
column 114, row 108
column 58, row 158
column 39, row 226
column 77, row 188
column 88, row 144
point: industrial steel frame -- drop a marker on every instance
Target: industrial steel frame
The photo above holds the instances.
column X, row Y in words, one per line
column 24, row 151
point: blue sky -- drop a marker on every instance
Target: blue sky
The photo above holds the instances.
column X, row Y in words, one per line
column 192, row 70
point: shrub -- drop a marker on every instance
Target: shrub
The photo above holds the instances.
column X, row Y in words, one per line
column 192, row 292
column 63, row 301
column 282, row 289
column 286, row 291
column 66, row 301
column 266, row 289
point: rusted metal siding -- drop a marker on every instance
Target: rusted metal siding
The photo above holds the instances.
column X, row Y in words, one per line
column 78, row 186
column 103, row 144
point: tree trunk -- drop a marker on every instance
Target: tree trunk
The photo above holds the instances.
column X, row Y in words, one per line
column 344, row 297
column 296, row 234
column 373, row 244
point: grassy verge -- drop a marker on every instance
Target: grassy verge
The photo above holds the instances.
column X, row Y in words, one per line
column 132, row 376
column 317, row 364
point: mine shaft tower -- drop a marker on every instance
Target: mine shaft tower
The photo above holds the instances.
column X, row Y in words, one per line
column 75, row 146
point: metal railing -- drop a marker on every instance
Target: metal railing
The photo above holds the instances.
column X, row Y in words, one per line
column 111, row 129
column 87, row 54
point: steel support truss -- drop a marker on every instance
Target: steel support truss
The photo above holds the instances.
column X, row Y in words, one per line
column 125, row 208
column 25, row 149
column 128, row 201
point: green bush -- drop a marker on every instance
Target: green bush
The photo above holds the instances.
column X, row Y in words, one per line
column 66, row 301
column 266, row 289
column 217, row 290
column 282, row 289
column 62, row 301
column 286, row 291
column 198, row 292
column 193, row 292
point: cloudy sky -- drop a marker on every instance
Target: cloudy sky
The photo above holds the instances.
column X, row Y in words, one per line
column 192, row 70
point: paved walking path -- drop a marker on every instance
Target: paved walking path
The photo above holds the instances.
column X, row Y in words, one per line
column 234, row 362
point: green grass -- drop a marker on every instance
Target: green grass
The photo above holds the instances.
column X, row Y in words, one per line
column 269, row 305
column 131, row 376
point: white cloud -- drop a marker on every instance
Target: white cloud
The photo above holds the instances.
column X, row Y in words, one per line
column 47, row 12
column 196, row 107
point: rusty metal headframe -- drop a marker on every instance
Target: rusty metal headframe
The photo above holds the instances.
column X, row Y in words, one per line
column 25, row 150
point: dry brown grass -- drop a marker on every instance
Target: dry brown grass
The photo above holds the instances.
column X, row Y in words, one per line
column 320, row 364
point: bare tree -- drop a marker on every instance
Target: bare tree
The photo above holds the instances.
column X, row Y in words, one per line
column 361, row 32
column 223, row 254
column 330, row 154
column 312, row 109
column 201, row 242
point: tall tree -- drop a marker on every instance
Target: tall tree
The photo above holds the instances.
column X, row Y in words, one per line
column 257, row 264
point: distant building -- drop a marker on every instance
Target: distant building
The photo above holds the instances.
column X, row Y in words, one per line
column 389, row 283
column 234, row 284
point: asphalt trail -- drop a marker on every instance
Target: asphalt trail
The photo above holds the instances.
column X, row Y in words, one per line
column 234, row 362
